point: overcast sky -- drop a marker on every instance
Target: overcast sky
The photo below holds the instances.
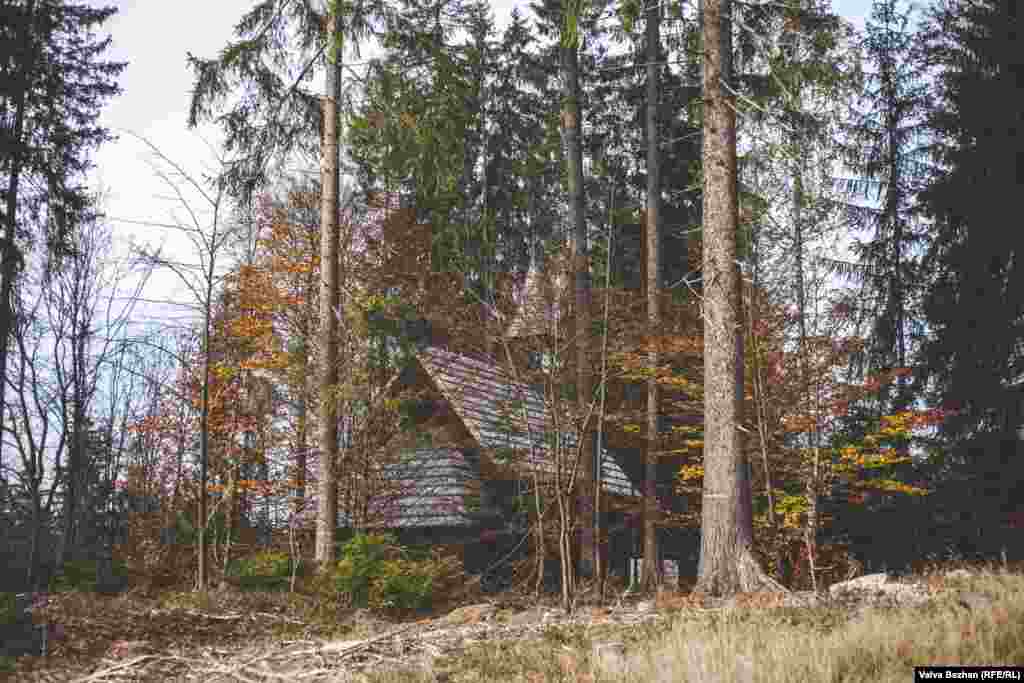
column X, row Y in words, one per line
column 153, row 37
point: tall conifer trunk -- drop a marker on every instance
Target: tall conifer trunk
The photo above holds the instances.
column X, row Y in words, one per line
column 651, row 572
column 581, row 277
column 727, row 564
column 330, row 300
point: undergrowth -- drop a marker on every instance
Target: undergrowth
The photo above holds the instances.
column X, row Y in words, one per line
column 825, row 643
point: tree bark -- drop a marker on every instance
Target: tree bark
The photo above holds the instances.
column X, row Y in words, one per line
column 581, row 272
column 301, row 445
column 727, row 564
column 74, row 488
column 330, row 300
column 652, row 567
column 204, row 432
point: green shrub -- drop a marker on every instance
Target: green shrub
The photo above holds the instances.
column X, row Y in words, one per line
column 187, row 534
column 405, row 584
column 82, row 575
column 8, row 608
column 266, row 570
column 375, row 572
column 362, row 560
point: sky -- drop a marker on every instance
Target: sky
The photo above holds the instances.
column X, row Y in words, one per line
column 154, row 37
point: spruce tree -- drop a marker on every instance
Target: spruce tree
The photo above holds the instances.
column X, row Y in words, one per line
column 888, row 153
column 55, row 82
column 974, row 304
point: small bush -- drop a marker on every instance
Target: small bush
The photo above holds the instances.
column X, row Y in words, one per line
column 362, row 560
column 267, row 570
column 9, row 609
column 405, row 584
column 216, row 531
column 82, row 575
column 375, row 572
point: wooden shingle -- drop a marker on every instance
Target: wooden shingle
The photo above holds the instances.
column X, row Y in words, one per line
column 505, row 416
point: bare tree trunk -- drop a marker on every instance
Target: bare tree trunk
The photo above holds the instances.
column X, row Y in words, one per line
column 230, row 505
column 541, row 545
column 727, row 564
column 760, row 398
column 8, row 272
column 565, row 543
column 601, row 564
column 330, row 300
column 301, row 448
column 204, row 434
column 745, row 514
column 33, row 552
column 651, row 578
column 581, row 271
column 302, row 437
column 76, row 302
column 807, row 380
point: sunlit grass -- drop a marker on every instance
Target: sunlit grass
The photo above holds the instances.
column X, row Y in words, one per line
column 697, row 642
column 740, row 645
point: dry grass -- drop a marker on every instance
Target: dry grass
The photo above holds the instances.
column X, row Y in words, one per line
column 755, row 645
column 752, row 642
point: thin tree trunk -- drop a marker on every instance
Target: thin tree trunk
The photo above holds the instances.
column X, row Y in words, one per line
column 760, row 400
column 73, row 480
column 330, row 301
column 565, row 544
column 651, row 578
column 11, row 256
column 34, row 568
column 541, row 545
column 727, row 564
column 302, row 427
column 601, row 556
column 301, row 447
column 581, row 272
column 810, row 394
column 204, row 438
column 230, row 505
column 892, row 211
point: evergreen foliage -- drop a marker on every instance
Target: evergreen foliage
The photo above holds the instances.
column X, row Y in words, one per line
column 974, row 302
column 277, row 45
column 55, row 81
column 889, row 154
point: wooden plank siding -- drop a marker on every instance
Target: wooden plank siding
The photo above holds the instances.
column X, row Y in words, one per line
column 432, row 487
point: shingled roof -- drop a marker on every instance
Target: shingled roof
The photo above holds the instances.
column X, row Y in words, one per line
column 441, row 485
column 491, row 406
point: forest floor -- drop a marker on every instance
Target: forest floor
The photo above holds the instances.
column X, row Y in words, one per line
column 973, row 616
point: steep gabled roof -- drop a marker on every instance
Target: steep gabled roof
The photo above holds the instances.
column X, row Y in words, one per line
column 440, row 485
column 503, row 414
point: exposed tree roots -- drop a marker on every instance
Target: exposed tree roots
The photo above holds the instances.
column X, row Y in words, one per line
column 739, row 574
